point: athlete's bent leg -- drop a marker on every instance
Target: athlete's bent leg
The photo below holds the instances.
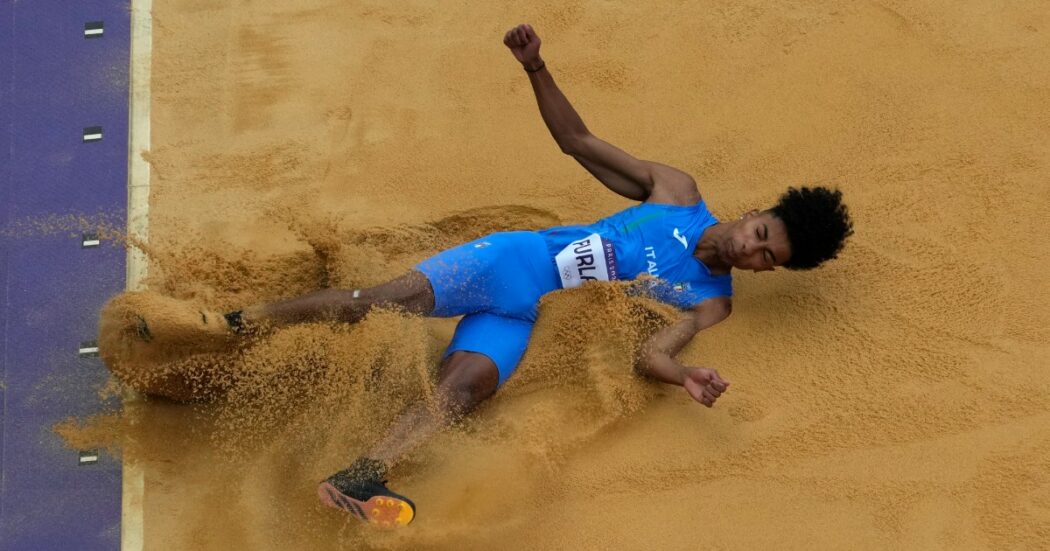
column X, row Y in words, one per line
column 466, row 380
column 411, row 292
column 496, row 289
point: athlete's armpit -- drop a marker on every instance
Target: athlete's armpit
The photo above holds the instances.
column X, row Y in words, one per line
column 672, row 186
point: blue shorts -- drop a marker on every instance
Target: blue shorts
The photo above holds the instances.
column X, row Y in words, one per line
column 495, row 283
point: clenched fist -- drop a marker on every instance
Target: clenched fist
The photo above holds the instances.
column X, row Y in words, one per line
column 704, row 385
column 525, row 45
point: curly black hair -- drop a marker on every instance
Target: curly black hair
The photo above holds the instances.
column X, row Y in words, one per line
column 817, row 222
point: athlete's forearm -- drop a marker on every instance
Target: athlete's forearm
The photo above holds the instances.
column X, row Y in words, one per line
column 558, row 114
column 657, row 358
column 663, row 368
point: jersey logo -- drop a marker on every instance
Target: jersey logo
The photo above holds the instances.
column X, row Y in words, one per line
column 681, row 238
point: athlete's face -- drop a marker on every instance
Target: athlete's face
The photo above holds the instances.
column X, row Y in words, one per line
column 757, row 242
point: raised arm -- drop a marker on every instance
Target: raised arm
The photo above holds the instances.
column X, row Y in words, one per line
column 657, row 357
column 617, row 170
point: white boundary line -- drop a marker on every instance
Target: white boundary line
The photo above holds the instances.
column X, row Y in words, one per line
column 139, row 137
column 133, row 485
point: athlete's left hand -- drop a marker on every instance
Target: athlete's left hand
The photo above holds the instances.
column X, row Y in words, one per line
column 704, row 385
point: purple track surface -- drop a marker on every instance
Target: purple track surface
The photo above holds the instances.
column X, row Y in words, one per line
column 54, row 83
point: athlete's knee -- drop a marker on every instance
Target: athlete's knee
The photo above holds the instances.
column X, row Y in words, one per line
column 467, row 380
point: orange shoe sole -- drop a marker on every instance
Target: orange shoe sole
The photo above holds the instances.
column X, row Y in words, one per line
column 380, row 511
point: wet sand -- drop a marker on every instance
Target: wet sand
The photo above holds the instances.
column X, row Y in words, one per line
column 896, row 398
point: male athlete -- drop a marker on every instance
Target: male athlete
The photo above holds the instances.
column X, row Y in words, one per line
column 496, row 283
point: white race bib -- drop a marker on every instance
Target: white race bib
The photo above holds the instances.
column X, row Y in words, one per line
column 590, row 258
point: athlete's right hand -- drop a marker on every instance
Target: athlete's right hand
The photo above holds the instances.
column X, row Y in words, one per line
column 524, row 44
column 704, row 385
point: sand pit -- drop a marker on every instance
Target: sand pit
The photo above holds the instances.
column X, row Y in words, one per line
column 897, row 398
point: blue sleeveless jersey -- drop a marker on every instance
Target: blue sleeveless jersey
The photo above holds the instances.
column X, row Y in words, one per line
column 647, row 238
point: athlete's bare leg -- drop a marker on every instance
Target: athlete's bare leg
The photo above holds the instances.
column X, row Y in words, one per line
column 466, row 379
column 411, row 292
